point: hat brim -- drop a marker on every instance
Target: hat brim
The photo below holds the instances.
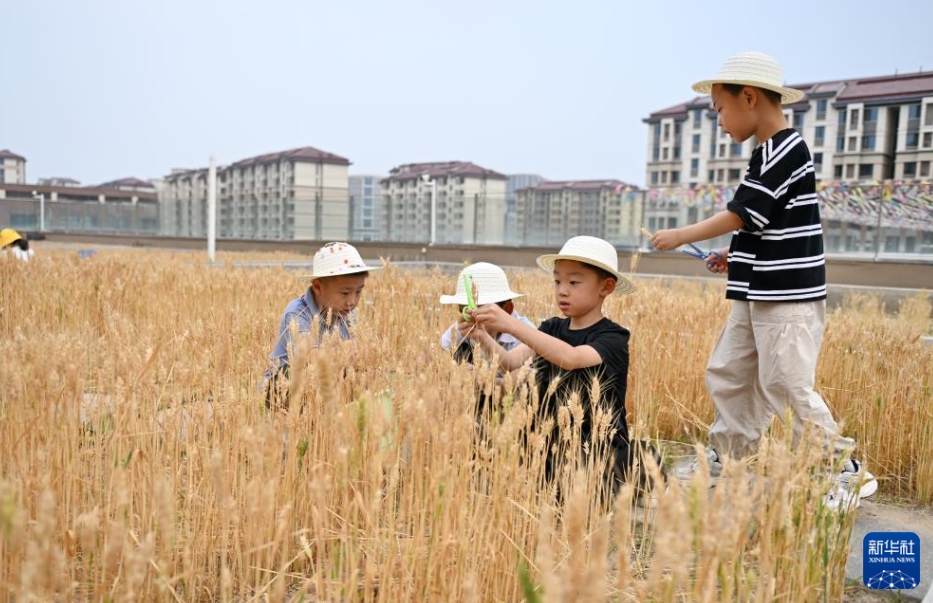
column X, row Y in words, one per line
column 462, row 301
column 345, row 273
column 623, row 284
column 788, row 95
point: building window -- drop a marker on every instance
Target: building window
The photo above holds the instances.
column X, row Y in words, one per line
column 664, row 154
column 837, row 172
column 868, row 143
column 821, row 109
column 850, row 171
column 853, row 118
column 675, row 177
column 722, row 150
column 667, row 132
column 735, row 174
column 871, row 114
column 818, row 162
column 654, row 177
column 910, row 169
column 913, row 112
column 695, row 147
column 928, row 119
column 798, row 120
column 924, row 168
column 853, row 143
column 676, row 152
column 866, row 170
column 841, row 143
column 697, row 119
column 819, row 136
column 912, row 139
column 664, row 177
column 694, row 167
column 735, row 150
column 711, row 176
column 656, row 154
column 720, row 173
column 927, row 140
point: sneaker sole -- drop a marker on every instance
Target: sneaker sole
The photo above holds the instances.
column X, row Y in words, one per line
column 867, row 486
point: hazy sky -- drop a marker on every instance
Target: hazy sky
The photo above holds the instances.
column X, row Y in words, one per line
column 99, row 90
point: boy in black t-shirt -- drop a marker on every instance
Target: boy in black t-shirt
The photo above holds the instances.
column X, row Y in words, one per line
column 570, row 352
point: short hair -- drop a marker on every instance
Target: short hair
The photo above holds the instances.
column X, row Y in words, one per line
column 601, row 273
column 735, row 89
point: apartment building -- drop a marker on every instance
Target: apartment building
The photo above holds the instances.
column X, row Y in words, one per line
column 12, row 168
column 857, row 129
column 367, row 208
column 515, row 183
column 78, row 209
column 300, row 194
column 469, row 203
column 551, row 212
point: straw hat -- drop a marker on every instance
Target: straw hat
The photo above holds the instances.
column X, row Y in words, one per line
column 337, row 259
column 592, row 251
column 752, row 69
column 492, row 286
column 8, row 236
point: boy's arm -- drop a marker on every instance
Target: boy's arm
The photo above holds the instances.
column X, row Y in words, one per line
column 551, row 348
column 715, row 226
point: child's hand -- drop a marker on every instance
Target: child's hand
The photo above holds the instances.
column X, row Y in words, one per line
column 665, row 240
column 492, row 318
column 717, row 261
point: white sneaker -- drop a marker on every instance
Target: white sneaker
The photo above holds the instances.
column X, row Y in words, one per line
column 840, row 498
column 688, row 471
column 856, row 479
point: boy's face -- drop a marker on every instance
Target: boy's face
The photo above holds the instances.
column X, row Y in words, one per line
column 578, row 289
column 338, row 295
column 736, row 113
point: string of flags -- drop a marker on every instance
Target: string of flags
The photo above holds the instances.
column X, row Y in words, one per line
column 902, row 204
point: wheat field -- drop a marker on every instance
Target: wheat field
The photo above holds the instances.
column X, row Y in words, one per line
column 139, row 463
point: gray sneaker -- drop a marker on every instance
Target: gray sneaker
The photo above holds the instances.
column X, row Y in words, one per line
column 686, row 472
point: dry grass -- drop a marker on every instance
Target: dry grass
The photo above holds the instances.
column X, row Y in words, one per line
column 138, row 462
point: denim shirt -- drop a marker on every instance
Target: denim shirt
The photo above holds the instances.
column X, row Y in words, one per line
column 301, row 311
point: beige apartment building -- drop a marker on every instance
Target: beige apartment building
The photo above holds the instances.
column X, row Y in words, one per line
column 300, row 194
column 857, row 130
column 549, row 213
column 469, row 203
column 12, row 168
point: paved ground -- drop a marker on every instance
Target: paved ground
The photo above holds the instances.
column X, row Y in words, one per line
column 879, row 517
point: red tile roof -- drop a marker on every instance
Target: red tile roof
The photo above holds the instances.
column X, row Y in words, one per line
column 894, row 87
column 80, row 192
column 304, row 154
column 580, row 185
column 8, row 154
column 441, row 169
column 128, row 182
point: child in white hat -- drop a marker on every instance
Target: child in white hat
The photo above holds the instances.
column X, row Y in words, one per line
column 576, row 348
column 765, row 359
column 492, row 287
column 338, row 277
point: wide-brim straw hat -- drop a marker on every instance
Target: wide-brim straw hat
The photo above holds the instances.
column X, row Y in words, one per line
column 337, row 259
column 593, row 251
column 8, row 236
column 752, row 69
column 492, row 286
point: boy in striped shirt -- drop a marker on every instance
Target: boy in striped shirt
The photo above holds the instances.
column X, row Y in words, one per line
column 765, row 358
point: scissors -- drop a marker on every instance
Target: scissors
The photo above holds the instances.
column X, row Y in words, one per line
column 470, row 287
column 697, row 252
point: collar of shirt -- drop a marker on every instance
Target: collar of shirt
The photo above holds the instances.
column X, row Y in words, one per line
column 343, row 323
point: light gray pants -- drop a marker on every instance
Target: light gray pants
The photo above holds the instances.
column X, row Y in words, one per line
column 764, row 363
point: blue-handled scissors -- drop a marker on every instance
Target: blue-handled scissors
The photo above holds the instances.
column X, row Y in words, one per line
column 697, row 252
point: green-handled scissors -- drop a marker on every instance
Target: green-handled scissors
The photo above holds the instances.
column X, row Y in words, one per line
column 469, row 287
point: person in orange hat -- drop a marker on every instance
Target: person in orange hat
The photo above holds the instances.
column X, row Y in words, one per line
column 16, row 244
column 338, row 277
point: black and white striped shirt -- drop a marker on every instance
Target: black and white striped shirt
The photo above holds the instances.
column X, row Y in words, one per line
column 778, row 254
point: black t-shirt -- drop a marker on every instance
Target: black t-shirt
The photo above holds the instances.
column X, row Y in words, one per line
column 611, row 343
